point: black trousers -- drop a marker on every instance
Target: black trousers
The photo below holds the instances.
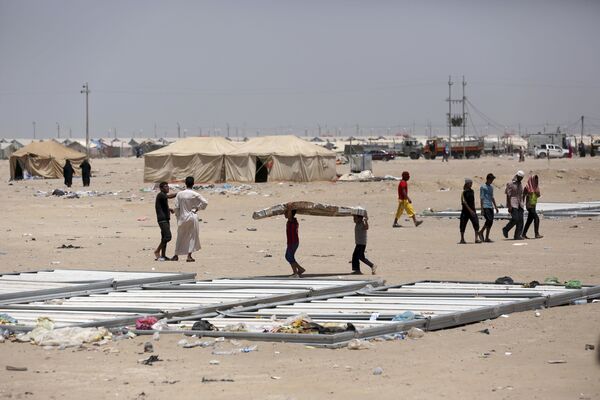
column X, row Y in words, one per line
column 465, row 217
column 532, row 217
column 516, row 219
column 359, row 255
column 488, row 214
column 165, row 232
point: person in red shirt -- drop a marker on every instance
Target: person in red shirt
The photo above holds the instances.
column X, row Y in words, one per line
column 404, row 202
column 293, row 241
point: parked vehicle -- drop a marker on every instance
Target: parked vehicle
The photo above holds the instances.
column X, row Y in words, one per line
column 471, row 148
column 409, row 147
column 381, row 155
column 550, row 151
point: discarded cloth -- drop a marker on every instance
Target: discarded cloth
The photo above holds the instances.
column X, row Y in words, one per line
column 145, row 323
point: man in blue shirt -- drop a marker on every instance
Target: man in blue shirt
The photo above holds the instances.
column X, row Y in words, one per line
column 488, row 204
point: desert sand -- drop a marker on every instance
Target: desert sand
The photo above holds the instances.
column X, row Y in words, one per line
column 119, row 232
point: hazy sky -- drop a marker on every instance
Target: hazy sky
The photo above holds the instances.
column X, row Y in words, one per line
column 287, row 66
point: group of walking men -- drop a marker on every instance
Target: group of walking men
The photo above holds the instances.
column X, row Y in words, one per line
column 518, row 198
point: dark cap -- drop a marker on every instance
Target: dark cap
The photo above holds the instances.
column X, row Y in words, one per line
column 490, row 176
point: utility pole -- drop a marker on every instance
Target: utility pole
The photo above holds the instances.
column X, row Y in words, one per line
column 464, row 118
column 155, row 130
column 582, row 128
column 70, row 133
column 357, row 130
column 179, row 130
column 86, row 91
column 228, row 129
column 450, row 83
column 319, row 125
column 58, row 129
column 33, row 130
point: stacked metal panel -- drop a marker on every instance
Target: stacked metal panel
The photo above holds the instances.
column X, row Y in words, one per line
column 48, row 284
column 582, row 209
column 435, row 305
column 121, row 307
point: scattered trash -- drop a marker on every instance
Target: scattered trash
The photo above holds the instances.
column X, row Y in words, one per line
column 275, row 377
column 443, row 189
column 203, row 326
column 520, row 244
column 251, row 229
column 144, row 218
column 150, row 360
column 580, row 302
column 590, row 347
column 69, row 246
column 486, row 331
column 6, row 319
column 573, row 284
column 145, row 323
column 214, row 362
column 148, row 347
column 54, row 262
column 156, row 336
column 538, row 314
column 531, row 284
column 574, row 226
column 556, row 362
column 505, row 280
column 415, row 333
column 45, row 335
column 405, row 316
column 377, row 371
column 359, row 344
column 552, row 280
column 19, row 369
column 208, row 380
column 161, row 325
column 508, row 353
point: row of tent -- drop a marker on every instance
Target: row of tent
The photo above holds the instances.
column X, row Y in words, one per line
column 262, row 159
column 99, row 147
column 207, row 159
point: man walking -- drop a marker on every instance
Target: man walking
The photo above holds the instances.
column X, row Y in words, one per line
column 404, row 202
column 488, row 204
column 187, row 203
column 516, row 205
column 163, row 215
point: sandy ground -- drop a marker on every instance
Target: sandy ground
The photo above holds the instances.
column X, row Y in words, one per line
column 119, row 232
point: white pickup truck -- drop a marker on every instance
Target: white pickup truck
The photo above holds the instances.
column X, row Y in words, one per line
column 550, row 151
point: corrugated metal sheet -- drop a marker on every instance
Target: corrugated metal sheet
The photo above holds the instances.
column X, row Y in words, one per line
column 436, row 305
column 109, row 309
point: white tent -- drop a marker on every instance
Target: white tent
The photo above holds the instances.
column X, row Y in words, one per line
column 200, row 157
column 279, row 158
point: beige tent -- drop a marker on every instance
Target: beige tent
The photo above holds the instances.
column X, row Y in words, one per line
column 200, row 157
column 45, row 159
column 279, row 158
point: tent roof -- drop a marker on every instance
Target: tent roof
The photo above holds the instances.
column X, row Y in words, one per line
column 213, row 146
column 48, row 149
column 285, row 145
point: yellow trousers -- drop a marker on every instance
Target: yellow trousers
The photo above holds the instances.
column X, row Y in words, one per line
column 404, row 205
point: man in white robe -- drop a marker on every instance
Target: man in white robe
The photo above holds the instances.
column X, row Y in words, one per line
column 187, row 202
